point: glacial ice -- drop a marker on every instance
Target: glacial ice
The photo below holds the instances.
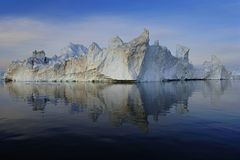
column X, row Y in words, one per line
column 136, row 60
column 213, row 69
column 1, row 75
column 236, row 73
column 73, row 51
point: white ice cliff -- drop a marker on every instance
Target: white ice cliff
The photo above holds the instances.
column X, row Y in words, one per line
column 136, row 60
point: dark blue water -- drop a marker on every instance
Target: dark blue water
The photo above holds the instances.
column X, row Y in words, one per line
column 171, row 120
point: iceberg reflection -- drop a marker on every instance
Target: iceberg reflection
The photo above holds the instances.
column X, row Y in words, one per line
column 122, row 103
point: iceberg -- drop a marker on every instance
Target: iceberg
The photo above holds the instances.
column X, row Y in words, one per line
column 235, row 72
column 135, row 60
column 73, row 51
column 159, row 64
column 213, row 69
column 1, row 75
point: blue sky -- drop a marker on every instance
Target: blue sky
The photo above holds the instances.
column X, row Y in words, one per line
column 206, row 26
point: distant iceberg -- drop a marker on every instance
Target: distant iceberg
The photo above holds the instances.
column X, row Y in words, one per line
column 136, row 60
column 1, row 75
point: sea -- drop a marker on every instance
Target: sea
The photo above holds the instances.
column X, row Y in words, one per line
column 159, row 120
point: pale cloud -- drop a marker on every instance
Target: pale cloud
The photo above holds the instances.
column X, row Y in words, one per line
column 14, row 37
column 15, row 31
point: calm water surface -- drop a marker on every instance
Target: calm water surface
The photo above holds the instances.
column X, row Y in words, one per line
column 172, row 120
